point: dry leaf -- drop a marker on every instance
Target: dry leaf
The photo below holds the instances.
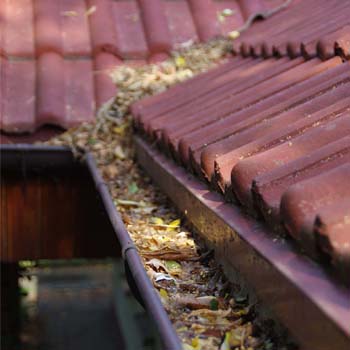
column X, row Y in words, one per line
column 69, row 13
column 90, row 11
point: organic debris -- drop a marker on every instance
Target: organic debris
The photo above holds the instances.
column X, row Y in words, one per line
column 199, row 299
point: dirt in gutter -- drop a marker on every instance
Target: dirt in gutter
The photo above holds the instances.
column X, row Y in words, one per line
column 207, row 311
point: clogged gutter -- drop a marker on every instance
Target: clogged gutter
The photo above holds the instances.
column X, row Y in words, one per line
column 207, row 311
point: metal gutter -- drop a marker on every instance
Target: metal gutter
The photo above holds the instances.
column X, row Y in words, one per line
column 61, row 159
column 144, row 289
column 314, row 308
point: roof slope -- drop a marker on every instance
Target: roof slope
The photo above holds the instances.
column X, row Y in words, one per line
column 272, row 133
column 55, row 55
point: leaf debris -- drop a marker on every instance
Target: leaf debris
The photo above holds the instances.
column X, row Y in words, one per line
column 193, row 289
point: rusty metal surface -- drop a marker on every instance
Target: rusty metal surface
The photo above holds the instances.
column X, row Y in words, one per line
column 314, row 308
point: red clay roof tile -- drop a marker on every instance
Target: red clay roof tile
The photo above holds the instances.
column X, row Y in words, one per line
column 180, row 21
column 303, row 201
column 130, row 37
column 62, row 27
column 18, row 84
column 104, row 87
column 269, row 187
column 205, row 18
column 305, row 22
column 18, row 28
column 299, row 138
column 75, row 28
column 50, row 88
column 79, row 92
column 156, row 26
column 30, row 29
column 228, row 23
column 255, row 129
column 251, row 8
column 48, row 26
column 102, row 29
column 331, row 230
column 337, row 42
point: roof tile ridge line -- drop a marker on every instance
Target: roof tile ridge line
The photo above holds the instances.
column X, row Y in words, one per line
column 264, row 15
column 155, row 26
column 326, row 158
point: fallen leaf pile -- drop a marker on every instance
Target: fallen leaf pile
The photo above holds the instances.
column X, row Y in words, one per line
column 207, row 311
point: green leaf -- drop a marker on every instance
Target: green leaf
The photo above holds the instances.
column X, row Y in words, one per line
column 214, row 304
column 133, row 188
column 172, row 265
column 92, row 141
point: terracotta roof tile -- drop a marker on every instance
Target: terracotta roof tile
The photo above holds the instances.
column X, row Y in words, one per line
column 250, row 8
column 180, row 20
column 336, row 42
column 18, row 28
column 303, row 201
column 104, row 87
column 155, row 26
column 65, row 91
column 62, row 27
column 50, row 88
column 205, row 18
column 18, row 84
column 299, row 138
column 130, row 37
column 102, row 31
column 75, row 28
column 331, row 230
column 304, row 22
column 134, row 30
column 48, row 26
column 231, row 22
column 257, row 128
column 269, row 187
column 79, row 92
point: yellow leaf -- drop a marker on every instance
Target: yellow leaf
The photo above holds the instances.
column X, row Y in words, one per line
column 163, row 293
column 157, row 221
column 226, row 343
column 180, row 61
column 175, row 223
column 187, row 346
column 195, row 343
column 120, row 130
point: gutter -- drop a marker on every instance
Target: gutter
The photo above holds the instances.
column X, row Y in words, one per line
column 38, row 157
